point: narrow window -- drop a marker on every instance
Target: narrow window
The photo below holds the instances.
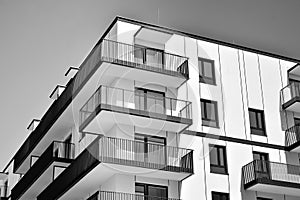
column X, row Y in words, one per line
column 218, row 161
column 209, row 113
column 257, row 122
column 206, row 71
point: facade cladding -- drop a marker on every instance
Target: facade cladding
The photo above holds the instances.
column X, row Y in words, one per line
column 156, row 114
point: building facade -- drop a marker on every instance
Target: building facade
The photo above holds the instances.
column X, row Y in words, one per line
column 154, row 113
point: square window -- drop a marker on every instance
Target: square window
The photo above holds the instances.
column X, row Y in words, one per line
column 206, row 71
column 219, row 196
column 257, row 122
column 209, row 113
column 218, row 160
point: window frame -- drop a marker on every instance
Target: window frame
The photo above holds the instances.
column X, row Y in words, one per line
column 212, row 166
column 254, row 130
column 144, row 53
column 145, row 97
column 202, row 77
column 204, row 118
column 220, row 193
column 146, row 189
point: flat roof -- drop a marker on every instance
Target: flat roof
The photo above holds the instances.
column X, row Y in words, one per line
column 199, row 37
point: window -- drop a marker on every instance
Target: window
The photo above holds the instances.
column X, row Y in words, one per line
column 206, row 71
column 261, row 164
column 68, row 147
column 257, row 122
column 149, row 56
column 261, row 198
column 218, row 160
column 296, row 121
column 158, row 191
column 209, row 113
column 151, row 101
column 151, row 149
column 219, row 196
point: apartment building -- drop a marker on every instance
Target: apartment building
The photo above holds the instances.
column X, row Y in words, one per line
column 158, row 114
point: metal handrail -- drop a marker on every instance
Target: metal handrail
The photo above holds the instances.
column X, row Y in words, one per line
column 126, row 99
column 261, row 170
column 109, row 195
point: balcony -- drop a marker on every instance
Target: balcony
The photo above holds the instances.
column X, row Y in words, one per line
column 143, row 64
column 108, row 106
column 42, row 171
column 292, row 139
column 107, row 156
column 108, row 195
column 115, row 60
column 271, row 177
column 290, row 97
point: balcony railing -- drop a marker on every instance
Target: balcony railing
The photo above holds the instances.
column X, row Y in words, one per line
column 141, row 154
column 57, row 151
column 289, row 92
column 292, row 135
column 131, row 100
column 266, row 172
column 143, row 58
column 107, row 195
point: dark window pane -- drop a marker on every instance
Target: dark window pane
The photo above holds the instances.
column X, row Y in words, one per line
column 218, row 159
column 154, row 58
column 213, row 156
column 208, row 71
column 139, row 189
column 220, row 196
column 139, row 55
column 202, row 110
column 200, row 67
column 211, row 111
column 252, row 116
column 256, row 156
column 259, row 121
column 157, row 191
column 221, row 155
column 257, row 125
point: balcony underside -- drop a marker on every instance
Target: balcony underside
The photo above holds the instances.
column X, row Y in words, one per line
column 294, row 147
column 292, row 105
column 106, row 116
column 141, row 73
column 275, row 187
column 41, row 182
column 101, row 173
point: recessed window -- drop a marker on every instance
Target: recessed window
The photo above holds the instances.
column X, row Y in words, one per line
column 219, row 196
column 206, row 71
column 149, row 56
column 257, row 122
column 149, row 100
column 218, row 160
column 209, row 113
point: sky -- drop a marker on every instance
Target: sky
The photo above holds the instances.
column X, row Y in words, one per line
column 40, row 39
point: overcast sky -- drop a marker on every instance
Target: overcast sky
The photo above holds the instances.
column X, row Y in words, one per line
column 40, row 39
